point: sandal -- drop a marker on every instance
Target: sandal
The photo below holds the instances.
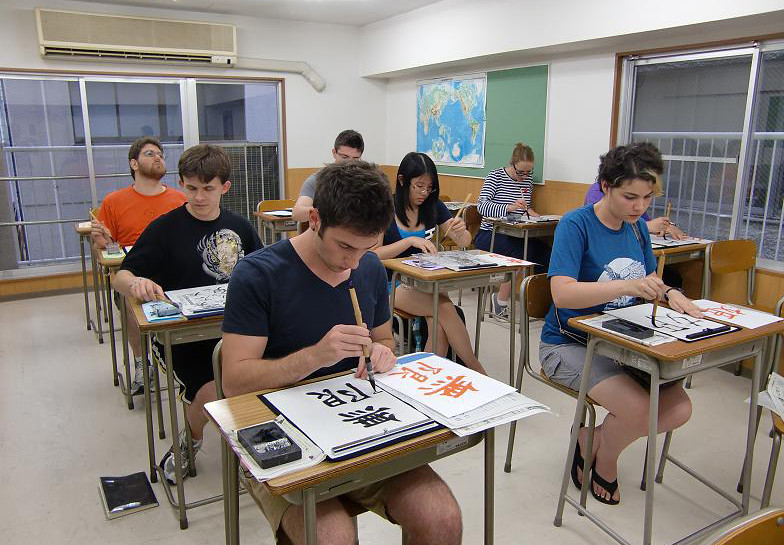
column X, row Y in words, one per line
column 577, row 462
column 610, row 487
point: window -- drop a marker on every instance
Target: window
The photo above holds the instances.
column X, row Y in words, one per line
column 723, row 170
column 57, row 160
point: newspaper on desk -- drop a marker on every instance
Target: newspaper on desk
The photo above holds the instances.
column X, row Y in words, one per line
column 654, row 340
column 311, row 454
column 522, row 217
column 662, row 242
column 462, row 260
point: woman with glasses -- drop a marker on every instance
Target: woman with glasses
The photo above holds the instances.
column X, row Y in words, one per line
column 602, row 259
column 509, row 189
column 417, row 212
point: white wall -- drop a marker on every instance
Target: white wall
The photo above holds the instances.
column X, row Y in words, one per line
column 578, row 40
column 312, row 119
column 452, row 30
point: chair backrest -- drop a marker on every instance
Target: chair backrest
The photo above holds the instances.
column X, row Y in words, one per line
column 764, row 527
column 444, row 198
column 472, row 220
column 217, row 368
column 274, row 204
column 729, row 256
column 535, row 301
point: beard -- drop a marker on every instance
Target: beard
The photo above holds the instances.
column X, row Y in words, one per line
column 155, row 171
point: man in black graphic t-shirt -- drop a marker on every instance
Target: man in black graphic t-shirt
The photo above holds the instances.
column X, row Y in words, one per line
column 197, row 244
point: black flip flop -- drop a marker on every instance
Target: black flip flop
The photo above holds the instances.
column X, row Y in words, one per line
column 610, row 487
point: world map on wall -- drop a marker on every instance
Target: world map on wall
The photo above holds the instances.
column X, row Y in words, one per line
column 451, row 121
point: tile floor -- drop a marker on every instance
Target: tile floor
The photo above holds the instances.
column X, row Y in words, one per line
column 63, row 424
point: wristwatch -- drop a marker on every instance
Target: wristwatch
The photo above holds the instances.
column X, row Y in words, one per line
column 668, row 290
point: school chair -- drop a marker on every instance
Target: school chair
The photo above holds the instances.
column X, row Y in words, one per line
column 729, row 256
column 778, row 423
column 405, row 323
column 444, row 198
column 774, row 357
column 352, row 508
column 535, row 301
column 765, row 527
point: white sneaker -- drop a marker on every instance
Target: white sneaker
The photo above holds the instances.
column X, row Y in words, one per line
column 167, row 462
column 137, row 386
column 500, row 312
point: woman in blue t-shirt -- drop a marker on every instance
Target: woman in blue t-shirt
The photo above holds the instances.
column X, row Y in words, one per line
column 602, row 259
column 417, row 212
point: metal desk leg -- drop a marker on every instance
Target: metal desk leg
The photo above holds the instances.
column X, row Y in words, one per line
column 148, row 413
column 97, row 294
column 650, row 462
column 751, row 432
column 124, row 340
column 512, row 336
column 578, row 412
column 479, row 310
column 525, row 245
column 434, row 332
column 107, row 309
column 158, row 408
column 84, row 283
column 309, row 507
column 234, row 496
column 175, row 430
column 489, row 486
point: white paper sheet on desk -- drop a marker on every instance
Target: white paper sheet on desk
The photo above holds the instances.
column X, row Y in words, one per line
column 660, row 241
column 507, row 261
column 656, row 339
column 84, row 224
column 668, row 321
column 442, row 385
column 455, row 260
column 279, row 213
column 735, row 314
column 343, row 415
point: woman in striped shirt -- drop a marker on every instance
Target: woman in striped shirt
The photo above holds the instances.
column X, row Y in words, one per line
column 509, row 189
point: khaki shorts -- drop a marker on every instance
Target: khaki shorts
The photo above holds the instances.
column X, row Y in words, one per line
column 369, row 498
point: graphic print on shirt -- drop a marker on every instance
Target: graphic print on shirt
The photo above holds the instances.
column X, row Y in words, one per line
column 621, row 268
column 220, row 252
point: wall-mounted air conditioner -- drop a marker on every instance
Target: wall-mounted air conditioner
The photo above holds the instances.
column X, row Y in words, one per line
column 94, row 36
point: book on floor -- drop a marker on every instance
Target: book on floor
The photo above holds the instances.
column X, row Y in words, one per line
column 126, row 494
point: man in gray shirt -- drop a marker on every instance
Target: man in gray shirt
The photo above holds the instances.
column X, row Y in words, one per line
column 348, row 145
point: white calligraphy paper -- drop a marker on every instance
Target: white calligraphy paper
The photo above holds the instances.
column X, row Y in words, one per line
column 442, row 385
column 734, row 314
column 670, row 322
column 343, row 415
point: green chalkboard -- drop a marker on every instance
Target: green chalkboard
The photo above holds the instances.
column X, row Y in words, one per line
column 516, row 112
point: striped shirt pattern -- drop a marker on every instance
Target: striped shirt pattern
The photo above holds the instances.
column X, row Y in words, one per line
column 499, row 190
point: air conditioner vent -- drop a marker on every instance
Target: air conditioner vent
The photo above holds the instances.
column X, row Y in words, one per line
column 67, row 34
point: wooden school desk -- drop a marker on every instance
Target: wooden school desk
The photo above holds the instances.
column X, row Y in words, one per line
column 268, row 221
column 83, row 231
column 665, row 362
column 520, row 230
column 171, row 332
column 443, row 280
column 687, row 252
column 330, row 479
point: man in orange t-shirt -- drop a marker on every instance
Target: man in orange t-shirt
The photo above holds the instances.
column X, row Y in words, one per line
column 125, row 213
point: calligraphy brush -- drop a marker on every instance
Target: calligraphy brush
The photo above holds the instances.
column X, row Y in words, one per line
column 459, row 212
column 358, row 317
column 659, row 271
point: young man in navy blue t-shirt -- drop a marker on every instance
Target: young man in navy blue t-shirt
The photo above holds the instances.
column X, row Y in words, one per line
column 289, row 317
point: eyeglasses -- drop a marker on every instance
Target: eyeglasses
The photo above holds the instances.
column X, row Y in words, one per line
column 425, row 190
column 150, row 153
column 520, row 172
